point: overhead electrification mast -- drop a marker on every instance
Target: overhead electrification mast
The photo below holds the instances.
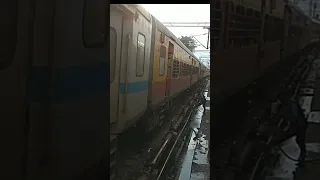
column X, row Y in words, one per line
column 204, row 25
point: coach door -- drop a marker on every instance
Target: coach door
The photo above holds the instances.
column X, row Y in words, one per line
column 115, row 51
column 15, row 56
column 169, row 71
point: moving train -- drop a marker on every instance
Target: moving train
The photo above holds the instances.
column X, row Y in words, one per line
column 250, row 37
column 149, row 66
column 54, row 73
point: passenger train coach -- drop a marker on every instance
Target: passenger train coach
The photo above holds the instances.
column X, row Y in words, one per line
column 149, row 67
column 250, row 37
column 54, row 70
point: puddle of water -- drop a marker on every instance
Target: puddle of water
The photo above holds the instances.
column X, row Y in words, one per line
column 285, row 166
column 207, row 96
column 308, row 91
column 200, row 153
column 195, row 123
column 199, row 176
column 208, row 100
column 187, row 160
column 314, row 117
column 305, row 103
column 313, row 147
column 196, row 119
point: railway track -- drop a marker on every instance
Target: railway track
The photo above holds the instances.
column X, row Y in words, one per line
column 301, row 88
column 238, row 154
column 156, row 156
column 155, row 160
column 264, row 157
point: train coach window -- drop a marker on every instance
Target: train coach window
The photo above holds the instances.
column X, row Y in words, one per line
column 8, row 32
column 186, row 70
column 141, row 41
column 113, row 51
column 175, row 72
column 181, row 69
column 162, row 60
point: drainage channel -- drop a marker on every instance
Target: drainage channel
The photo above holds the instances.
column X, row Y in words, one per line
column 285, row 168
column 150, row 156
column 193, row 162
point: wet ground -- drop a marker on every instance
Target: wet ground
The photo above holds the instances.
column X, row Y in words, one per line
column 194, row 162
column 287, row 169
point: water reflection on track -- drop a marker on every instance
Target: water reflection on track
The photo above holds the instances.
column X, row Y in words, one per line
column 194, row 163
column 287, row 169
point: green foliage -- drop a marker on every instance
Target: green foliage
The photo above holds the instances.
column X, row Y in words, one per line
column 189, row 42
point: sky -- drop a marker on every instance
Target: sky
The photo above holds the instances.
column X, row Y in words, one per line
column 184, row 13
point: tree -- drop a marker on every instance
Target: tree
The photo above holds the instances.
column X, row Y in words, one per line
column 189, row 42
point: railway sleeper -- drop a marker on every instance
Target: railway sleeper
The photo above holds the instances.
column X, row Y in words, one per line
column 155, row 118
column 175, row 138
column 294, row 78
column 177, row 123
column 266, row 133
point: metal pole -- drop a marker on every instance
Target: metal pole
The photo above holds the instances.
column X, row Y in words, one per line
column 208, row 38
column 186, row 23
column 169, row 25
column 198, row 41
